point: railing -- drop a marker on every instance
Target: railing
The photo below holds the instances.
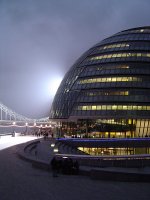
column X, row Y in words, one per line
column 111, row 161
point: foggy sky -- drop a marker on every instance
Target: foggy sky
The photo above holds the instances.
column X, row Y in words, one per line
column 41, row 39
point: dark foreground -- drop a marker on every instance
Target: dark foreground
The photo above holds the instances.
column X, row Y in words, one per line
column 19, row 181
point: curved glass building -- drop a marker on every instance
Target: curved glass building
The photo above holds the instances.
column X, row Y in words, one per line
column 106, row 93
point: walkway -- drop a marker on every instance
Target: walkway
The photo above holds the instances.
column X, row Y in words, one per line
column 19, row 181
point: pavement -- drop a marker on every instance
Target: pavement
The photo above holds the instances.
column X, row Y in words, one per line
column 19, row 181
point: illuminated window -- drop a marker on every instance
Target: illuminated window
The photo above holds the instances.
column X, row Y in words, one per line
column 99, row 107
column 119, row 107
column 93, row 107
column 89, row 107
column 114, row 46
column 119, row 55
column 107, row 93
column 139, row 54
column 148, row 107
column 104, row 107
column 83, row 107
column 139, row 108
column 125, row 107
column 145, row 107
column 112, row 79
column 113, row 107
column 130, row 121
column 108, row 56
column 129, row 107
column 108, row 107
column 108, row 79
column 135, row 107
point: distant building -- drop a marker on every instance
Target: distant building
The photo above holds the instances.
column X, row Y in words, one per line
column 106, row 93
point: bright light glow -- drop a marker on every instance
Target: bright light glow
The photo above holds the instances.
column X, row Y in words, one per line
column 54, row 84
column 55, row 150
column 52, row 145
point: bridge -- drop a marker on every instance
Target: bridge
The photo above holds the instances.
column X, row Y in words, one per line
column 8, row 117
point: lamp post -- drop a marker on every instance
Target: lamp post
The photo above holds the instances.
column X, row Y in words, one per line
column 34, row 129
column 26, row 128
column 14, row 123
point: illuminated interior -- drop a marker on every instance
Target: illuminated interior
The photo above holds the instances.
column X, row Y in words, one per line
column 124, row 93
column 114, row 151
column 109, row 79
column 101, row 67
column 113, row 107
column 120, row 55
column 119, row 45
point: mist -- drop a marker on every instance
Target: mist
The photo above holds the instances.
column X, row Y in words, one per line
column 41, row 39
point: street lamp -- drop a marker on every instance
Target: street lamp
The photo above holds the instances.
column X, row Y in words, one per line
column 14, row 123
column 26, row 127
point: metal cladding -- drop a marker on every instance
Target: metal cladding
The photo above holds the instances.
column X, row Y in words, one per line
column 111, row 80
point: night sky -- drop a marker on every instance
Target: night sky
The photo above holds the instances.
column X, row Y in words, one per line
column 41, row 39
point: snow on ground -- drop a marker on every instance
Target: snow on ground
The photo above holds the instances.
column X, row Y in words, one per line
column 8, row 141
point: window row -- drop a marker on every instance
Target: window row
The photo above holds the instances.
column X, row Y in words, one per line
column 113, row 107
column 119, row 45
column 116, row 121
column 108, row 67
column 109, row 79
column 140, row 46
column 119, row 55
column 114, row 98
column 143, row 30
column 107, row 93
column 125, row 37
column 91, row 71
column 118, row 92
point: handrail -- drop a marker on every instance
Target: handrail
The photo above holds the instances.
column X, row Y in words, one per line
column 5, row 134
column 139, row 156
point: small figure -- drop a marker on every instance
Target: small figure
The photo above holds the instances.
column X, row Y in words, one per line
column 13, row 135
column 54, row 166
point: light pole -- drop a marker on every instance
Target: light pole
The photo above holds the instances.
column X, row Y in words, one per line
column 26, row 128
column 14, row 123
column 34, row 129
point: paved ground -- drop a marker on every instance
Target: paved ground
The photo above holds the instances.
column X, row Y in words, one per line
column 19, row 181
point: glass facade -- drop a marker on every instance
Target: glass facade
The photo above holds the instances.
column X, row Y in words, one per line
column 106, row 93
column 114, row 151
